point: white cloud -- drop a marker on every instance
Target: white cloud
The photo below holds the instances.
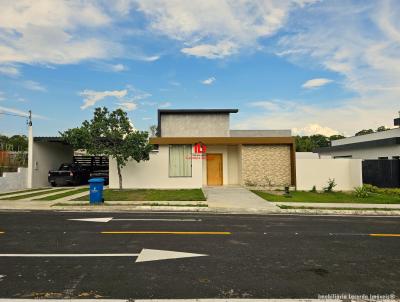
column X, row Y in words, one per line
column 312, row 129
column 9, row 70
column 209, row 51
column 118, row 67
column 216, row 29
column 128, row 106
column 314, row 83
column 146, row 118
column 360, row 41
column 165, row 105
column 32, row 85
column 208, row 81
column 148, row 58
column 62, row 32
column 92, row 97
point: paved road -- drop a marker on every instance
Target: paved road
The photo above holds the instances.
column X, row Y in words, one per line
column 262, row 257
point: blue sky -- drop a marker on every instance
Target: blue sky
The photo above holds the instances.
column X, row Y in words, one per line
column 324, row 67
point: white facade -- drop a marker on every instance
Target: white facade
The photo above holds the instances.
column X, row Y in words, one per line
column 316, row 172
column 154, row 173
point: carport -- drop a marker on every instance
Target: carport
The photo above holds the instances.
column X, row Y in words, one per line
column 46, row 153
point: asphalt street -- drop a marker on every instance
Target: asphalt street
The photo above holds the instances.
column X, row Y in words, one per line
column 47, row 255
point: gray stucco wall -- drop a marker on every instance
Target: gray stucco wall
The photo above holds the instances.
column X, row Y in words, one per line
column 192, row 125
column 12, row 181
column 260, row 133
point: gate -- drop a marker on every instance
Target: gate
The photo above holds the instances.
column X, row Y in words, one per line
column 383, row 173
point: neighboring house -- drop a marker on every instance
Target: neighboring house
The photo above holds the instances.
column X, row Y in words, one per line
column 378, row 145
column 195, row 148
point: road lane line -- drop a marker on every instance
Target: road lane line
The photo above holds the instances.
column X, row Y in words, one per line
column 164, row 233
column 153, row 219
column 384, row 235
column 69, row 255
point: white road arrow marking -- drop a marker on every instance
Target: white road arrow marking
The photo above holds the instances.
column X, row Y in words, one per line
column 145, row 255
column 107, row 219
column 103, row 219
column 154, row 255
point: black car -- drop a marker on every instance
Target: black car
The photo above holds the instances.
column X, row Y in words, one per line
column 69, row 174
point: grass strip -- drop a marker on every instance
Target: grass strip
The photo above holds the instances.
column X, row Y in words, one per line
column 23, row 191
column 151, row 195
column 284, row 207
column 64, row 194
column 201, row 205
column 25, row 196
column 333, row 197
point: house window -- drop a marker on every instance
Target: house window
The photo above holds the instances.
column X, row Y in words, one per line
column 180, row 161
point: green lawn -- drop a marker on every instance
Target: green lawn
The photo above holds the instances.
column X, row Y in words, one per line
column 151, row 195
column 41, row 192
column 285, row 207
column 153, row 204
column 64, row 194
column 22, row 191
column 334, row 197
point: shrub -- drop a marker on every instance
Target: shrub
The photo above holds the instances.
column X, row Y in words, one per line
column 361, row 192
column 385, row 191
column 330, row 186
column 314, row 189
column 370, row 188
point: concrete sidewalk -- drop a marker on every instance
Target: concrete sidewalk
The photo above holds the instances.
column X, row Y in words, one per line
column 340, row 205
column 236, row 198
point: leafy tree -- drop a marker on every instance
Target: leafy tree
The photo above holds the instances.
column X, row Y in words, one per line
column 382, row 128
column 319, row 140
column 153, row 130
column 336, row 136
column 364, row 131
column 19, row 142
column 14, row 143
column 111, row 134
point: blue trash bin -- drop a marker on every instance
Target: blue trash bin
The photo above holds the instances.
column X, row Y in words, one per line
column 96, row 190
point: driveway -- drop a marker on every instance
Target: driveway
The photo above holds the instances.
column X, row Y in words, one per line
column 236, row 198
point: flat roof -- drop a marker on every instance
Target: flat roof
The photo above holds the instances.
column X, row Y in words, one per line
column 51, row 139
column 360, row 145
column 226, row 140
column 185, row 111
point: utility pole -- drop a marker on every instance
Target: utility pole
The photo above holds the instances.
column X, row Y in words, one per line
column 30, row 118
column 30, row 151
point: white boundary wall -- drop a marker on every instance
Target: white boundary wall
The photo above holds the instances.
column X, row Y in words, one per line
column 346, row 172
column 12, row 181
column 154, row 173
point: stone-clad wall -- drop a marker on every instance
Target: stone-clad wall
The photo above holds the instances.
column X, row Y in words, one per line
column 266, row 165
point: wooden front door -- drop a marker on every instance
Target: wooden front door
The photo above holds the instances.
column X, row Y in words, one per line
column 214, row 169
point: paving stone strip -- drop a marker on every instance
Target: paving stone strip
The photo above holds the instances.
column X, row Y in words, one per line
column 25, row 192
column 34, row 195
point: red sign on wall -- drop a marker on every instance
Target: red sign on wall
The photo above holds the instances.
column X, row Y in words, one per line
column 200, row 148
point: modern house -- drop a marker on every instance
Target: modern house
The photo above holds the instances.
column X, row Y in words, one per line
column 196, row 147
column 378, row 145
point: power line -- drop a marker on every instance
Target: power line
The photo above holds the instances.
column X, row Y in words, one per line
column 13, row 114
